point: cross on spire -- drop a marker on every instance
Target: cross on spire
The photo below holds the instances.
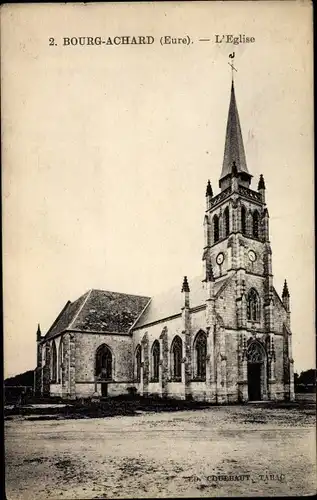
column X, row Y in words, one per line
column 231, row 65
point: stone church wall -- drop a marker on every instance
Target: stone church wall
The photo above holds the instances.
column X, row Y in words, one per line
column 279, row 367
column 231, row 343
column 226, row 305
column 86, row 346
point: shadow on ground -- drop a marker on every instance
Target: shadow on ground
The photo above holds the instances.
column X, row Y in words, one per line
column 51, row 409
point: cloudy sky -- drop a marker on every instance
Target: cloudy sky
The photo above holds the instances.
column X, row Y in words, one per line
column 107, row 151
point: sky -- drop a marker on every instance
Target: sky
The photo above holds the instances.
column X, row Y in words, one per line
column 107, row 151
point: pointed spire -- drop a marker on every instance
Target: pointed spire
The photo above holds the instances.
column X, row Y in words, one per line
column 234, row 148
column 261, row 184
column 266, row 212
column 38, row 332
column 185, row 287
column 209, row 189
column 285, row 290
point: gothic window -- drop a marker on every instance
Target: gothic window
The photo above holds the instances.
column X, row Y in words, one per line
column 243, row 220
column 255, row 224
column 255, row 353
column 215, row 221
column 53, row 363
column 103, row 363
column 226, row 222
column 60, row 360
column 155, row 361
column 200, row 353
column 138, row 363
column 176, row 359
column 253, row 305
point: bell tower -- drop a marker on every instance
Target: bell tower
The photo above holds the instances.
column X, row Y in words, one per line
column 236, row 220
column 237, row 246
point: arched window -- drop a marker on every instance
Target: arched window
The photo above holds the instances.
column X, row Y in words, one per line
column 253, row 305
column 155, row 361
column 103, row 363
column 53, row 363
column 138, row 364
column 255, row 224
column 200, row 353
column 255, row 353
column 176, row 359
column 60, row 360
column 243, row 220
column 226, row 222
column 215, row 223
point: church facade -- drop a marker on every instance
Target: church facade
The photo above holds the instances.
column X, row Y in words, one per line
column 222, row 337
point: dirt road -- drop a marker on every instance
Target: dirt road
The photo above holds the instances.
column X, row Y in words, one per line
column 229, row 451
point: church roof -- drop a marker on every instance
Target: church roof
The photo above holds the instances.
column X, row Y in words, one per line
column 113, row 312
column 234, row 148
column 99, row 310
column 169, row 303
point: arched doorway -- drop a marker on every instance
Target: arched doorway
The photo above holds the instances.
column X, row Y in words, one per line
column 103, row 370
column 256, row 371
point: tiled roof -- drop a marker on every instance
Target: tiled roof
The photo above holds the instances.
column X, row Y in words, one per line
column 99, row 310
column 113, row 312
column 170, row 303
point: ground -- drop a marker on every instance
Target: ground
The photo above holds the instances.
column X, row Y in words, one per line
column 250, row 450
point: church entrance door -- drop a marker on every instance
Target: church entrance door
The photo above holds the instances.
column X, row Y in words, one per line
column 256, row 371
column 254, row 381
column 104, row 389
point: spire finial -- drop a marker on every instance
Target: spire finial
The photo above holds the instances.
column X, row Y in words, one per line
column 38, row 332
column 261, row 184
column 234, row 147
column 209, row 189
column 285, row 290
column 185, row 287
column 232, row 67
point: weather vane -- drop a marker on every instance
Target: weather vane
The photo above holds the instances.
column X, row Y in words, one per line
column 231, row 64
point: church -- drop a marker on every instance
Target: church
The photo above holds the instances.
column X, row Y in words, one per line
column 222, row 337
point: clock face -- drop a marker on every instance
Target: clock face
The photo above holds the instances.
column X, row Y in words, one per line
column 252, row 255
column 220, row 258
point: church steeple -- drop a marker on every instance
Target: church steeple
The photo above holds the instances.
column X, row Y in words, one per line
column 234, row 154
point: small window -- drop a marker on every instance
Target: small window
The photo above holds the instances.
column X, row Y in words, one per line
column 138, row 364
column 200, row 353
column 253, row 306
column 243, row 220
column 155, row 361
column 104, row 363
column 176, row 359
column 53, row 363
column 216, row 228
column 255, row 224
column 60, row 361
column 226, row 222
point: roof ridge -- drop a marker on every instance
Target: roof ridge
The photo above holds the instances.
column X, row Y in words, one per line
column 58, row 317
column 141, row 313
column 118, row 293
column 80, row 309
